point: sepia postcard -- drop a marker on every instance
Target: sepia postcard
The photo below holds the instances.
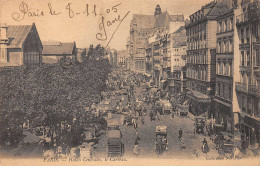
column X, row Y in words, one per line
column 130, row 82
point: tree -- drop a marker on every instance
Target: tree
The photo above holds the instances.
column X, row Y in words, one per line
column 49, row 95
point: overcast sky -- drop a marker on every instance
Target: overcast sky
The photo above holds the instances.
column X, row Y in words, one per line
column 83, row 28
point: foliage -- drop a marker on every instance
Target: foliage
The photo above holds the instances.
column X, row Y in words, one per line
column 95, row 53
column 49, row 94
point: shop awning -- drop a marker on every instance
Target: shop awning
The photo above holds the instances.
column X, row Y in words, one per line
column 250, row 120
column 221, row 102
column 198, row 96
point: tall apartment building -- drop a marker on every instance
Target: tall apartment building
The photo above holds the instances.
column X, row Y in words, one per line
column 201, row 56
column 222, row 109
column 143, row 27
column 248, row 87
column 177, row 79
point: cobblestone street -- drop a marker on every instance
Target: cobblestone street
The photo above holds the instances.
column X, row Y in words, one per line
column 147, row 138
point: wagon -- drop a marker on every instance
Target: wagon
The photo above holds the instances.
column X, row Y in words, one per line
column 161, row 142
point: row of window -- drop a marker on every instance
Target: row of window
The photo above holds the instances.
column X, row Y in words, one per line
column 244, row 36
column 197, row 59
column 225, row 25
column 249, row 106
column 200, row 28
column 194, row 44
column 245, row 58
column 197, row 74
column 139, row 64
column 179, row 51
column 224, row 90
column 225, row 46
column 224, row 68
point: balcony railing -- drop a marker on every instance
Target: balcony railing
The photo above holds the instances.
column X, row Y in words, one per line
column 242, row 18
column 241, row 87
column 254, row 90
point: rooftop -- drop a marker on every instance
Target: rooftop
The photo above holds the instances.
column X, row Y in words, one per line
column 17, row 34
column 58, row 48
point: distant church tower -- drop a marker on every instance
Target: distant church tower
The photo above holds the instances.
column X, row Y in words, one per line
column 157, row 11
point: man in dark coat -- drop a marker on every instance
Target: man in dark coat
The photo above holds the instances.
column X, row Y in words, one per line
column 180, row 133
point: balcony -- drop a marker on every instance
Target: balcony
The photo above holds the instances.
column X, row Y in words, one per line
column 243, row 18
column 241, row 87
column 254, row 90
column 244, row 68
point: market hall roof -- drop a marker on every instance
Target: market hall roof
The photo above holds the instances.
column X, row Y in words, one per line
column 17, row 35
column 58, row 48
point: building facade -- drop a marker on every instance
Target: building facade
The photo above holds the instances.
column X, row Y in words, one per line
column 142, row 28
column 201, row 56
column 122, row 58
column 223, row 100
column 248, row 87
column 20, row 45
column 177, row 79
column 113, row 60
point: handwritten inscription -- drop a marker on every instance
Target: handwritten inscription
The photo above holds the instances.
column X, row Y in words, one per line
column 71, row 11
column 104, row 24
column 24, row 10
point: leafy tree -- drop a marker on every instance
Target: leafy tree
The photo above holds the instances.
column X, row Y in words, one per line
column 49, row 96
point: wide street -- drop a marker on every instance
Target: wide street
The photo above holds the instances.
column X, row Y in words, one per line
column 147, row 137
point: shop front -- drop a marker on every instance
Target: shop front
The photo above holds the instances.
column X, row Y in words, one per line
column 199, row 104
column 250, row 131
column 221, row 112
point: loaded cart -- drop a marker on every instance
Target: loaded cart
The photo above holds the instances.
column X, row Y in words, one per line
column 161, row 142
column 200, row 124
column 182, row 109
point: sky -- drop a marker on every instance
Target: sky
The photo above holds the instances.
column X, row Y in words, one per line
column 69, row 20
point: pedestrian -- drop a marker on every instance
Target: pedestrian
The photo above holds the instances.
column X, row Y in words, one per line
column 173, row 115
column 137, row 135
column 59, row 151
column 135, row 125
column 136, row 148
column 133, row 121
column 67, row 151
column 158, row 115
column 180, row 133
column 122, row 119
column 205, row 147
column 151, row 115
